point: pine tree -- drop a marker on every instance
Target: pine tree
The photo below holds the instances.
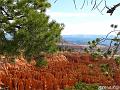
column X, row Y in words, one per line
column 24, row 26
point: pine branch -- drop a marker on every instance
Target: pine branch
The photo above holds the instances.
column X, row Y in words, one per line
column 6, row 13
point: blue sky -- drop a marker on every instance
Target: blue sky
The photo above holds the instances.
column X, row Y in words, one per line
column 83, row 21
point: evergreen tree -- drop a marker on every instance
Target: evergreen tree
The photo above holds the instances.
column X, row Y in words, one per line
column 25, row 27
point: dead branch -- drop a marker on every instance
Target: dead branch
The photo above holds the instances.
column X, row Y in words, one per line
column 83, row 4
column 111, row 10
column 75, row 4
column 95, row 5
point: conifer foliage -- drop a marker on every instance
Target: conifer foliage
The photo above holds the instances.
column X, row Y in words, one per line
column 25, row 27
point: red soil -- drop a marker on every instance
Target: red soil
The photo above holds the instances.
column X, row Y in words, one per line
column 63, row 70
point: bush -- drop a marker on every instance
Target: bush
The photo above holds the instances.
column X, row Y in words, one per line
column 84, row 86
column 41, row 62
column 117, row 59
column 111, row 43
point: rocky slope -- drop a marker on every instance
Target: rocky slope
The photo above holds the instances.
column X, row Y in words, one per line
column 63, row 70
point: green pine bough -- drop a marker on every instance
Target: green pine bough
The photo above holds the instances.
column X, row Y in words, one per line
column 25, row 28
column 110, row 51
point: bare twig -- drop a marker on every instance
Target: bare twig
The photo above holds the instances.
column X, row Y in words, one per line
column 75, row 4
column 55, row 1
column 110, row 45
column 83, row 4
column 5, row 12
column 103, row 39
column 106, row 4
column 87, row 2
column 91, row 1
column 99, row 10
column 99, row 3
column 94, row 5
column 103, row 9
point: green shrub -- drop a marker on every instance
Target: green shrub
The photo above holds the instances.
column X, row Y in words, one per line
column 41, row 62
column 96, row 55
column 69, row 88
column 106, row 69
column 84, row 86
column 117, row 60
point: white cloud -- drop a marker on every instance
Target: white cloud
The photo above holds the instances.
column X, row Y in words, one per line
column 85, row 23
column 90, row 28
column 69, row 14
